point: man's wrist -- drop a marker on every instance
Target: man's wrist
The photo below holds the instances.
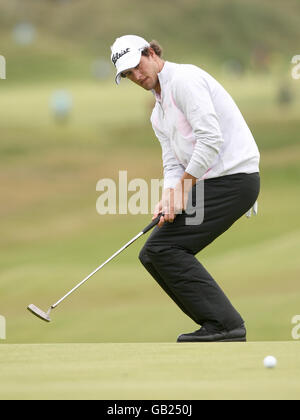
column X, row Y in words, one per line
column 186, row 183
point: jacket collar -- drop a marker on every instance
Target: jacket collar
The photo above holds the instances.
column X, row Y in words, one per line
column 164, row 77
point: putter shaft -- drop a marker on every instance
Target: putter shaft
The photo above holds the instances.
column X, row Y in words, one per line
column 97, row 269
column 46, row 315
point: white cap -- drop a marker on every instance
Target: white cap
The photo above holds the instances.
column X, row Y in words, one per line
column 126, row 53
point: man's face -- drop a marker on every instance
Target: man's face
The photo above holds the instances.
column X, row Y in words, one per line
column 145, row 73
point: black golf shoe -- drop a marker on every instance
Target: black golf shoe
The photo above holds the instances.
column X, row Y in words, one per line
column 204, row 336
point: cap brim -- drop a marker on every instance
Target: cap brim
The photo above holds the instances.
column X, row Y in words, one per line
column 129, row 62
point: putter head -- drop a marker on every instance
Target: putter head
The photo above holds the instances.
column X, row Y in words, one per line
column 45, row 316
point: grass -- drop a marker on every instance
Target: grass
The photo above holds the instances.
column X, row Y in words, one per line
column 219, row 30
column 115, row 338
column 149, row 371
column 52, row 237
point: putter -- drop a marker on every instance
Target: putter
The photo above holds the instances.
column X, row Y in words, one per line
column 45, row 316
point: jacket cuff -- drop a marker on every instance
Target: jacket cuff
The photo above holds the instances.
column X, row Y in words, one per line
column 171, row 182
column 195, row 170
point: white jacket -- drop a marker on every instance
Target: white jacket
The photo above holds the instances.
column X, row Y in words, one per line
column 199, row 126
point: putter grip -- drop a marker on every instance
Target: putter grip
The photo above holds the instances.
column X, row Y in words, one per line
column 152, row 224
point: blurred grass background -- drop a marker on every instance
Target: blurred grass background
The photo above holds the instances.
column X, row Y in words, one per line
column 51, row 235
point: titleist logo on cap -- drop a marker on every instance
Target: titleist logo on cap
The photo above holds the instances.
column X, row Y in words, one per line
column 116, row 56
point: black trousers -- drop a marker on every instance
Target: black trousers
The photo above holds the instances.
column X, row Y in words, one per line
column 169, row 253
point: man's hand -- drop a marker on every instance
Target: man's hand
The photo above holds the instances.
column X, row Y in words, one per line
column 174, row 200
column 157, row 210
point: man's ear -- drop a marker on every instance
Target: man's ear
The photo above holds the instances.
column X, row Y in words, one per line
column 151, row 52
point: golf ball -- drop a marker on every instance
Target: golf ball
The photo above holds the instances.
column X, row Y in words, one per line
column 270, row 362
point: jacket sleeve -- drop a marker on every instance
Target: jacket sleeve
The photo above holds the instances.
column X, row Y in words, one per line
column 193, row 97
column 173, row 170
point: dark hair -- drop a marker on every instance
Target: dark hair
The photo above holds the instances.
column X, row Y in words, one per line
column 156, row 47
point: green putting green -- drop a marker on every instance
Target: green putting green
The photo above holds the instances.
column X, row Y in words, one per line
column 149, row 371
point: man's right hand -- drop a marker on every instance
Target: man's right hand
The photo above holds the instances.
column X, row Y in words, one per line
column 157, row 210
column 165, row 206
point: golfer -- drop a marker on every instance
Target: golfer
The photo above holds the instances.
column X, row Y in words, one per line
column 205, row 142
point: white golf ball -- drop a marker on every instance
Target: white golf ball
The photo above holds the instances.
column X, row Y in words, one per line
column 270, row 362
